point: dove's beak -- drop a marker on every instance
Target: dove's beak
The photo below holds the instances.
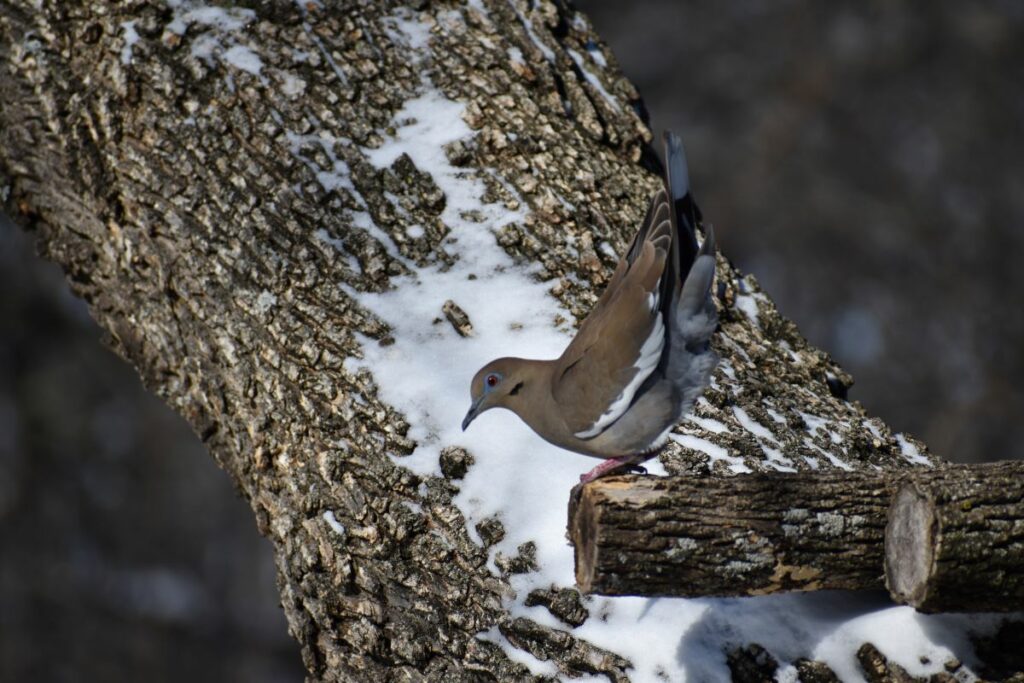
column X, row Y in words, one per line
column 474, row 410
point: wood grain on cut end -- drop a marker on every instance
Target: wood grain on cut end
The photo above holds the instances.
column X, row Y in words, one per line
column 909, row 544
column 955, row 539
column 582, row 526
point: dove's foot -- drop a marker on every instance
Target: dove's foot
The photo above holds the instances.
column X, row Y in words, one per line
column 620, row 465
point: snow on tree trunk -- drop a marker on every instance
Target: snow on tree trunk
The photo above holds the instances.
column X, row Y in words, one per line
column 269, row 208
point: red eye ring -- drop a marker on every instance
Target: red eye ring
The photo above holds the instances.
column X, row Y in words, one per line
column 491, row 380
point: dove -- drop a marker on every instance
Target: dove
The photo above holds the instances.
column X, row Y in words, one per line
column 643, row 355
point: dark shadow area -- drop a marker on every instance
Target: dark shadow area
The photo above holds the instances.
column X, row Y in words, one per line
column 1001, row 652
column 865, row 161
column 125, row 553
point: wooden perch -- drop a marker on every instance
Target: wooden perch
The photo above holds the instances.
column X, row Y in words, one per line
column 947, row 539
column 743, row 535
column 955, row 539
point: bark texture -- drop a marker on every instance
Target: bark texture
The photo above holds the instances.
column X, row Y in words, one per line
column 744, row 535
column 205, row 183
column 955, row 539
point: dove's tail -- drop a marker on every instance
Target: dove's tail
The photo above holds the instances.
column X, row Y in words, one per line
column 694, row 309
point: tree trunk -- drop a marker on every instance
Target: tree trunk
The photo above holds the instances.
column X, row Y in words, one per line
column 955, row 539
column 744, row 535
column 230, row 189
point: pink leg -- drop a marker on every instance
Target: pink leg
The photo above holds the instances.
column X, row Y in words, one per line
column 609, row 465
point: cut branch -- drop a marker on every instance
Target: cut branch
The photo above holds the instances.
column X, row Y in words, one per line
column 743, row 535
column 955, row 539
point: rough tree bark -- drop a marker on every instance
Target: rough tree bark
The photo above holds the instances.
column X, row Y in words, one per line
column 204, row 181
column 955, row 539
column 747, row 535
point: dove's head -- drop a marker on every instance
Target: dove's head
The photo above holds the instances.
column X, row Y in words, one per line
column 497, row 385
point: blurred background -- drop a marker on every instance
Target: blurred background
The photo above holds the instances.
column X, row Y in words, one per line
column 864, row 160
column 125, row 552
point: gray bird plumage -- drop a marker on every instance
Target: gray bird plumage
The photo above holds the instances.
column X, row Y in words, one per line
column 640, row 359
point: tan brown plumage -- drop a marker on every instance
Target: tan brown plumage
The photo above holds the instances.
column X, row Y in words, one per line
column 642, row 356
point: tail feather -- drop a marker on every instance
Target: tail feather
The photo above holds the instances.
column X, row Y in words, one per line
column 693, row 310
column 687, row 360
column 697, row 288
column 685, row 214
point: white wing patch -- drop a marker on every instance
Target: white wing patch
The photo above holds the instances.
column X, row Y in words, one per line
column 645, row 363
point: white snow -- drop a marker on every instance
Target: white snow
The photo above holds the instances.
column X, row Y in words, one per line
column 131, row 37
column 775, row 459
column 265, row 301
column 597, row 56
column 415, row 34
column 752, row 425
column 528, row 26
column 291, row 85
column 339, row 175
column 835, row 460
column 873, row 428
column 593, row 79
column 241, row 57
column 217, row 38
column 910, row 451
column 333, row 522
column 223, row 19
column 713, row 426
column 712, row 450
column 748, row 305
column 515, row 55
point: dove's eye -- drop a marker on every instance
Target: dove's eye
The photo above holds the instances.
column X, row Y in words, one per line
column 491, row 380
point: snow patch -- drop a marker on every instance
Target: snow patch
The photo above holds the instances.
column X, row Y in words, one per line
column 223, row 19
column 528, row 27
column 241, row 57
column 713, row 426
column 218, row 35
column 911, row 452
column 405, row 30
column 332, row 521
column 712, row 450
column 748, row 306
column 597, row 55
column 131, row 37
column 515, row 55
column 265, row 301
column 752, row 425
column 593, row 79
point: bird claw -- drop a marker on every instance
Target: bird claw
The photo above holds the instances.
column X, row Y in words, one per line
column 612, row 466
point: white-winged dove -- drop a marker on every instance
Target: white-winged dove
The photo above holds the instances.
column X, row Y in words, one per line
column 642, row 356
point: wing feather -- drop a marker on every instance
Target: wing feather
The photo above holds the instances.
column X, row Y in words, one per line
column 620, row 343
